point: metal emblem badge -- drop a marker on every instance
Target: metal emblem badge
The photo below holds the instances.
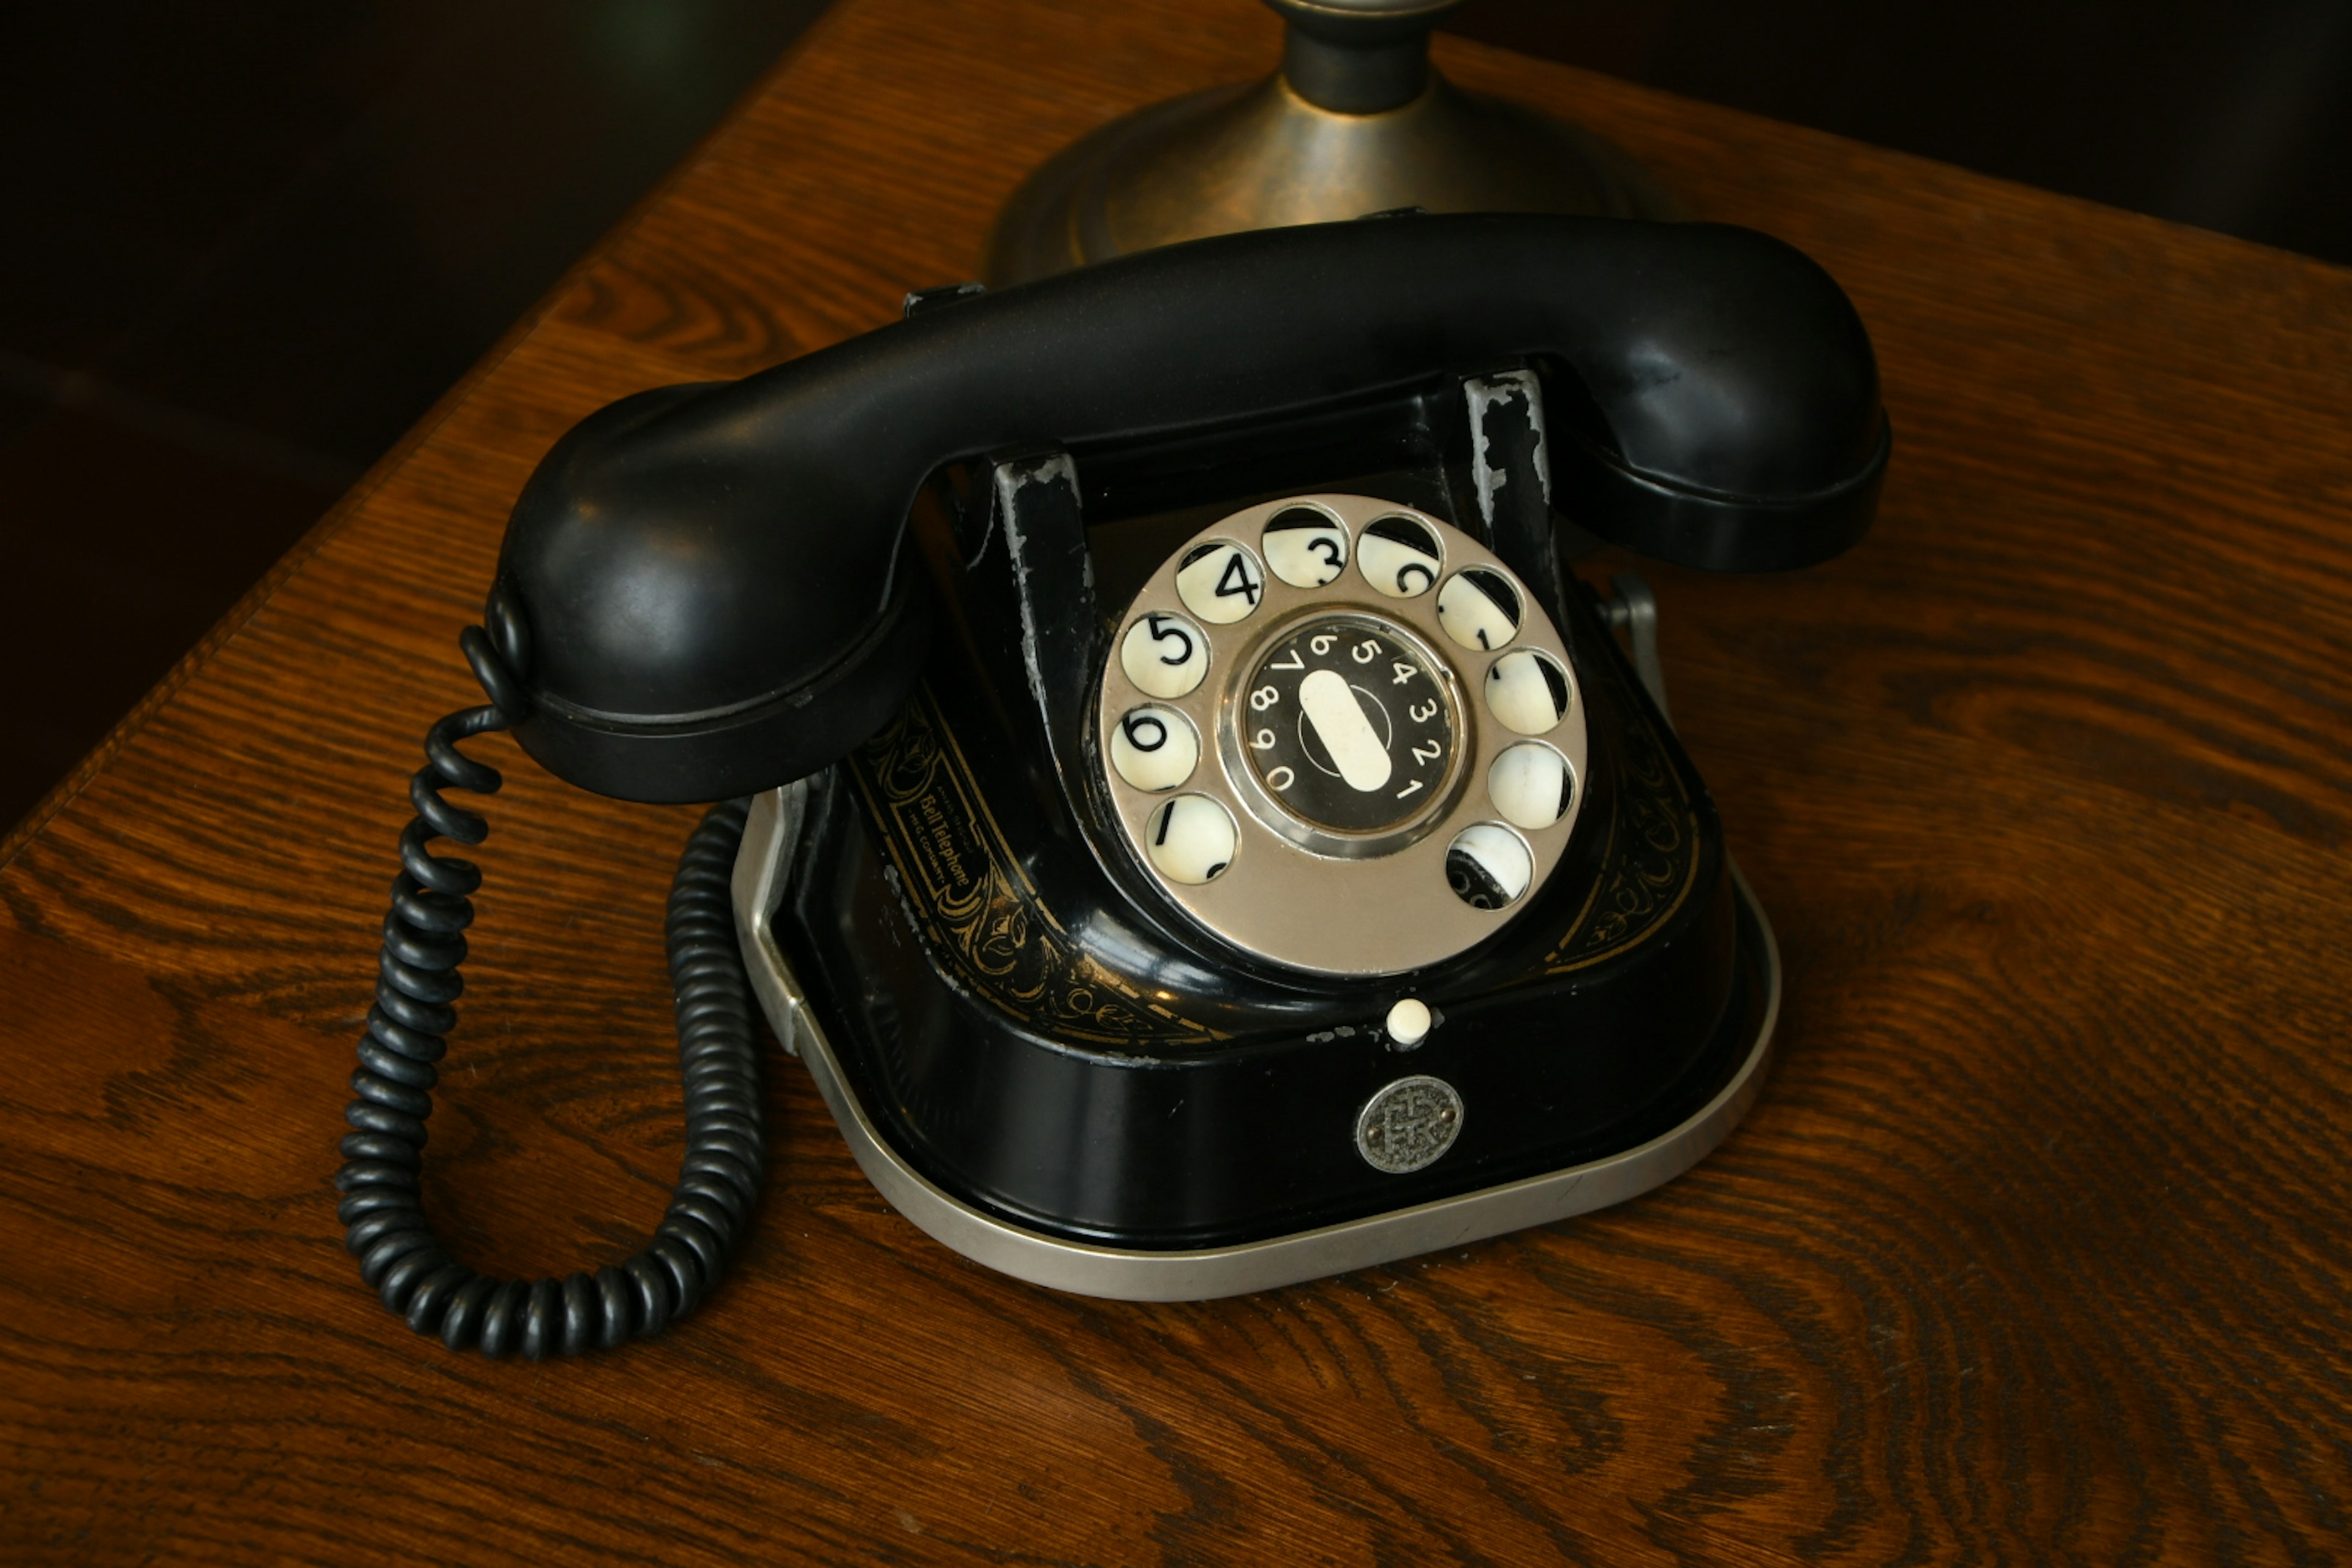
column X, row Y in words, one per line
column 1407, row 1125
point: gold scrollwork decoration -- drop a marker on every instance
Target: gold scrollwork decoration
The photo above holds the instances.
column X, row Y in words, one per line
column 1649, row 861
column 981, row 920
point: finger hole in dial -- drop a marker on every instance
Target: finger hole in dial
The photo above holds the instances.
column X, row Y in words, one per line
column 1530, row 786
column 1220, row 583
column 1478, row 608
column 1154, row 748
column 1304, row 547
column 1163, row 654
column 1400, row 557
column 1527, row 691
column 1190, row 839
column 1487, row 867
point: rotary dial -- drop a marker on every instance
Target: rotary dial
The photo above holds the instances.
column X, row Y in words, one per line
column 1341, row 735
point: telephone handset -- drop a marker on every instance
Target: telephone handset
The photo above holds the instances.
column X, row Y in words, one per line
column 1183, row 814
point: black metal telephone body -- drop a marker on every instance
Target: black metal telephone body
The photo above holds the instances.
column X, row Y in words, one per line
column 1045, row 1046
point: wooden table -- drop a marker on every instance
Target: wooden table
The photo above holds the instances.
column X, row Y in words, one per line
column 2036, row 1249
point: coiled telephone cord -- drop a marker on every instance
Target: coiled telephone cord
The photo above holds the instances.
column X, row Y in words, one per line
column 424, row 943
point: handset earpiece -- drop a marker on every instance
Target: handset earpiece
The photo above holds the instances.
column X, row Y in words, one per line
column 707, row 579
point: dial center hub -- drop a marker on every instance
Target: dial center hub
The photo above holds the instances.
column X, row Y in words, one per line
column 1347, row 725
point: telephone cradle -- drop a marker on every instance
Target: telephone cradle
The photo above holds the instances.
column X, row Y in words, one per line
column 1178, row 803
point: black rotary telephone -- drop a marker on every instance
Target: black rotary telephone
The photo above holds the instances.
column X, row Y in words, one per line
column 1181, row 810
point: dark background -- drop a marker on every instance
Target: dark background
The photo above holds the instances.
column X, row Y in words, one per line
column 248, row 242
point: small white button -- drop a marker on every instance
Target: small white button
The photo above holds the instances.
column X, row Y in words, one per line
column 1529, row 786
column 1478, row 608
column 1399, row 557
column 1219, row 583
column 1304, row 548
column 1409, row 1022
column 1487, row 867
column 1527, row 692
column 1190, row 839
column 1164, row 655
column 1154, row 748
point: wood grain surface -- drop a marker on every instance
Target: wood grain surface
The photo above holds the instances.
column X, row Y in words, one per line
column 2037, row 1248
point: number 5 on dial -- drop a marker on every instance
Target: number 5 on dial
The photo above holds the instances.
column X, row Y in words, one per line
column 1163, row 654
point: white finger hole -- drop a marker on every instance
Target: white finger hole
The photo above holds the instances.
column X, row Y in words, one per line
column 1220, row 583
column 1164, row 655
column 1190, row 839
column 1154, row 748
column 1304, row 547
column 1487, row 867
column 1400, row 557
column 1527, row 691
column 1478, row 608
column 1530, row 787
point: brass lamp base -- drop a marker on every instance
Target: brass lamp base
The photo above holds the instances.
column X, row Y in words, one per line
column 1262, row 155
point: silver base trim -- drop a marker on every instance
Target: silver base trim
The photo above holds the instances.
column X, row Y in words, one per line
column 770, row 838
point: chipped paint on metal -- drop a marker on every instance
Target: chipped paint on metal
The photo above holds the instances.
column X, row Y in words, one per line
column 1487, row 393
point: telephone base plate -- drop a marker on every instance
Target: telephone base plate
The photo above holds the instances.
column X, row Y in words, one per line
column 770, row 839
